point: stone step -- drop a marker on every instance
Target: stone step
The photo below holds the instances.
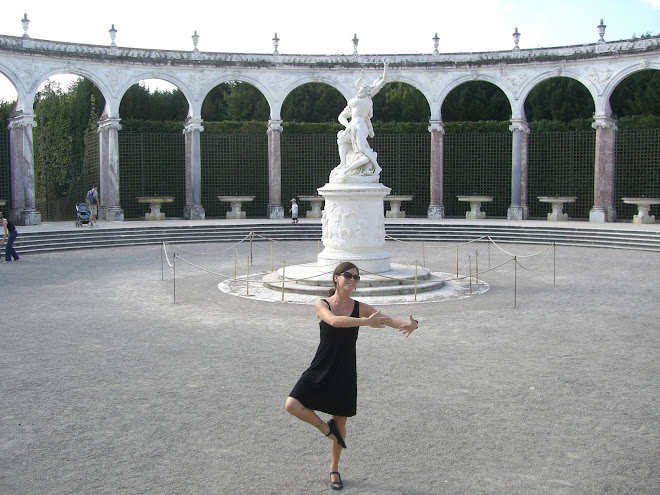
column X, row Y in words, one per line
column 85, row 238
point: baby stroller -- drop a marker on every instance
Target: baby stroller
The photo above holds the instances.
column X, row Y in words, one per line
column 82, row 214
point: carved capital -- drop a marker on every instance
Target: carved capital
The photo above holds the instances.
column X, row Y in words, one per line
column 437, row 125
column 519, row 124
column 193, row 124
column 21, row 120
column 604, row 122
column 107, row 123
column 275, row 125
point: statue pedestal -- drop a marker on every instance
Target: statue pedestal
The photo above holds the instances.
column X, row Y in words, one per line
column 354, row 226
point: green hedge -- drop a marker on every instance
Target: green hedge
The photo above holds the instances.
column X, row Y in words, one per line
column 480, row 127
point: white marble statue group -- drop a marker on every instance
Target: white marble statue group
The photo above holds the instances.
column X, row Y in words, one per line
column 358, row 162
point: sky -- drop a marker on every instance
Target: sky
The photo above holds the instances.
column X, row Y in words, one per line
column 327, row 28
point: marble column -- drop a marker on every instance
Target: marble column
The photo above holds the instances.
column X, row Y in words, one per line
column 23, row 211
column 524, row 172
column 518, row 127
column 109, row 206
column 193, row 209
column 275, row 208
column 603, row 209
column 436, row 207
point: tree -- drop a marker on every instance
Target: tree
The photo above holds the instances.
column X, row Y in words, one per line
column 638, row 94
column 559, row 98
column 52, row 142
column 474, row 101
column 401, row 102
column 313, row 102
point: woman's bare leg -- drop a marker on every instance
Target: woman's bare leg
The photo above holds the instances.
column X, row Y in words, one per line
column 294, row 407
column 336, row 448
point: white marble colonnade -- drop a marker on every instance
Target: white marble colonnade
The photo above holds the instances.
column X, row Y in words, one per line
column 27, row 62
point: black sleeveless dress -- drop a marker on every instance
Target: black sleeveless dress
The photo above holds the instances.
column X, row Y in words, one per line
column 330, row 383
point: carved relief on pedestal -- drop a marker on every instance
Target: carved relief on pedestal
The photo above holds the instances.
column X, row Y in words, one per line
column 345, row 227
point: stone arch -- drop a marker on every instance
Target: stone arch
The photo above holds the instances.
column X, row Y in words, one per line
column 540, row 83
column 624, row 73
column 238, row 77
column 455, row 83
column 550, row 74
column 180, row 84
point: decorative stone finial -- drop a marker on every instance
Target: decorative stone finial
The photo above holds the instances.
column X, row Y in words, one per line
column 436, row 42
column 276, row 43
column 113, row 35
column 26, row 22
column 355, row 44
column 516, row 39
column 601, row 32
column 195, row 38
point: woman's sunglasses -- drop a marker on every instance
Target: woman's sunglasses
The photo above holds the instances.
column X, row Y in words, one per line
column 349, row 276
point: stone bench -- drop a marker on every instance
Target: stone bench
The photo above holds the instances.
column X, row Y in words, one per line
column 475, row 212
column 557, row 214
column 236, row 203
column 395, row 206
column 317, row 205
column 643, row 207
column 155, row 202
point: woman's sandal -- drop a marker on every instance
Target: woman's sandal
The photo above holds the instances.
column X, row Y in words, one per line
column 336, row 485
column 335, row 431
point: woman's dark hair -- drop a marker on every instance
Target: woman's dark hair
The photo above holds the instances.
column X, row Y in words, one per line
column 341, row 268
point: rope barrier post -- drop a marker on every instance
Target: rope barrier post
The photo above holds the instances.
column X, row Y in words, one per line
column 283, row 277
column 457, row 261
column 423, row 254
column 476, row 263
column 174, row 278
column 554, row 264
column 251, row 237
column 162, row 269
column 247, row 279
column 489, row 255
column 416, row 264
column 515, row 281
column 470, row 263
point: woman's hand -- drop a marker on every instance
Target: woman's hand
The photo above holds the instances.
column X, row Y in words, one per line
column 377, row 320
column 409, row 328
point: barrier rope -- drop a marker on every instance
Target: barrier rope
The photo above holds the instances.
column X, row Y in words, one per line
column 425, row 272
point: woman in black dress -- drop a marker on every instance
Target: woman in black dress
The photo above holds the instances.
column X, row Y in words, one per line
column 330, row 383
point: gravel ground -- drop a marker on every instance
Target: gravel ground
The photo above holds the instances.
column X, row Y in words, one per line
column 110, row 388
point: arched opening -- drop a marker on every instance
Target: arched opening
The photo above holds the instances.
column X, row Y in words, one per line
column 403, row 145
column 477, row 147
column 234, row 148
column 636, row 104
column 8, row 96
column 152, row 147
column 309, row 140
column 66, row 109
column 561, row 146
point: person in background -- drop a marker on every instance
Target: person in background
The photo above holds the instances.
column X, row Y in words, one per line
column 330, row 383
column 92, row 200
column 9, row 234
column 294, row 211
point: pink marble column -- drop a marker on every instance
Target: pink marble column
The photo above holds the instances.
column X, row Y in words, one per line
column 275, row 208
column 23, row 211
column 23, row 205
column 604, row 209
column 109, row 206
column 436, row 207
column 524, row 172
column 193, row 209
